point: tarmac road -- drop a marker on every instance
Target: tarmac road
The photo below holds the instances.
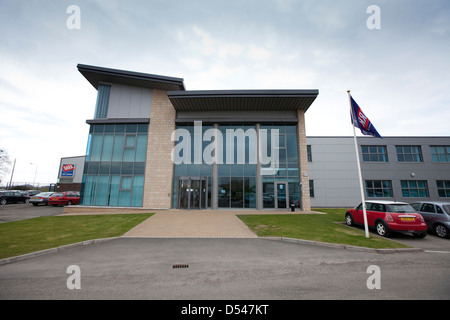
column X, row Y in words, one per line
column 21, row 211
column 142, row 268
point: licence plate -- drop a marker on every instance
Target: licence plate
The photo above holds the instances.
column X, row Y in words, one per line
column 407, row 219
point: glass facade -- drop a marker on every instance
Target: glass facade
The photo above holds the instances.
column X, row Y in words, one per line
column 236, row 177
column 189, row 168
column 286, row 181
column 115, row 165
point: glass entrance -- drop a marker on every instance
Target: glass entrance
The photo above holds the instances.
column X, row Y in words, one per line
column 281, row 195
column 193, row 192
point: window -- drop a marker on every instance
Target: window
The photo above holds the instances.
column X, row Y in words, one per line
column 378, row 188
column 311, row 188
column 125, row 184
column 428, row 207
column 308, row 148
column 414, row 189
column 443, row 187
column 376, row 207
column 374, row 154
column 440, row 153
column 409, row 153
column 101, row 108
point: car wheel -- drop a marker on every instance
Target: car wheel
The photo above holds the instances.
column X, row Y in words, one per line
column 69, row 203
column 35, row 204
column 349, row 219
column 382, row 229
column 441, row 231
column 3, row 202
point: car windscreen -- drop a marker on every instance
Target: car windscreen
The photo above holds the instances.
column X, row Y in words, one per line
column 400, row 208
column 58, row 195
column 446, row 208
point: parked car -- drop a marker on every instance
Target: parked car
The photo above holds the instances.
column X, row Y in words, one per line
column 436, row 215
column 31, row 193
column 64, row 198
column 41, row 198
column 12, row 197
column 387, row 217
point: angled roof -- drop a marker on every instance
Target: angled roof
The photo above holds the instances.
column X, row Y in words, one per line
column 243, row 100
column 96, row 75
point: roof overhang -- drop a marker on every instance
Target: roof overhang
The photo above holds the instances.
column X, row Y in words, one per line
column 243, row 100
column 96, row 75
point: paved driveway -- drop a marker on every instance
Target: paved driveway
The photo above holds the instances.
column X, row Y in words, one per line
column 21, row 211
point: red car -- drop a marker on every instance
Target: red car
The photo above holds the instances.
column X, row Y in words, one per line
column 64, row 198
column 387, row 217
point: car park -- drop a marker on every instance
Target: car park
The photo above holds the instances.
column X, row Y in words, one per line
column 387, row 217
column 41, row 198
column 12, row 196
column 436, row 215
column 64, row 198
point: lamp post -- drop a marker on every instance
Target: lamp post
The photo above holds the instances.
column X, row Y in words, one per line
column 35, row 172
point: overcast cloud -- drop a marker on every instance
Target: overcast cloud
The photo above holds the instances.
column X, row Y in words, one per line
column 399, row 74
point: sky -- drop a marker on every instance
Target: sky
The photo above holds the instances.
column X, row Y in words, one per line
column 395, row 61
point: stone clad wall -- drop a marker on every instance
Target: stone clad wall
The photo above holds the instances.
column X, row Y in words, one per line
column 159, row 167
column 303, row 159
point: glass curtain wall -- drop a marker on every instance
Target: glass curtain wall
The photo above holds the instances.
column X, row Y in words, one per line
column 115, row 165
column 288, row 171
column 191, row 169
column 237, row 181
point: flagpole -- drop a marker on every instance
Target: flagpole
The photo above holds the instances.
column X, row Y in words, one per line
column 363, row 201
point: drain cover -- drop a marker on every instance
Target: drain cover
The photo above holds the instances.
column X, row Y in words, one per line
column 178, row 266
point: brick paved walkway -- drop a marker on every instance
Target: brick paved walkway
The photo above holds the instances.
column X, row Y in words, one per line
column 192, row 224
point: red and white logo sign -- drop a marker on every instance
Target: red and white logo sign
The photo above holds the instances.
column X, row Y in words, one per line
column 68, row 167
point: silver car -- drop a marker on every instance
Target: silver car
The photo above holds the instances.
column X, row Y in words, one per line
column 436, row 215
column 41, row 198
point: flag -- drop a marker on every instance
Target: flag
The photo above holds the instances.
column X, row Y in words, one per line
column 359, row 120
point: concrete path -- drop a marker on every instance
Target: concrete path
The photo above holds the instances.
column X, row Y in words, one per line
column 192, row 224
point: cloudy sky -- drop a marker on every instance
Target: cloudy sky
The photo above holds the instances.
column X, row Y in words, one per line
column 399, row 74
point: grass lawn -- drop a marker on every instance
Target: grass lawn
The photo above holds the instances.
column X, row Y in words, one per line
column 316, row 227
column 25, row 236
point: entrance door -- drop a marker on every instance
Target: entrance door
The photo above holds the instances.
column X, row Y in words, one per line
column 281, row 196
column 193, row 192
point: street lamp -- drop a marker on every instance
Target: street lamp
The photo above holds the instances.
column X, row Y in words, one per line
column 35, row 172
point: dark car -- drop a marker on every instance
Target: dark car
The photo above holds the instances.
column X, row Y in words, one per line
column 436, row 215
column 41, row 198
column 12, row 197
column 389, row 216
column 64, row 198
column 31, row 193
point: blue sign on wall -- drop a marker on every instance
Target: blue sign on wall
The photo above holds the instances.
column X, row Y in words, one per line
column 67, row 170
